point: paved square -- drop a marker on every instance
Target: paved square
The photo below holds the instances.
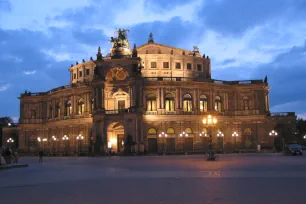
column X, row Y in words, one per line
column 157, row 179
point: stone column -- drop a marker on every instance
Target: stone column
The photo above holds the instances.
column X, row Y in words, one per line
column 158, row 99
column 194, row 101
column 177, row 94
column 180, row 99
column 102, row 98
column 162, row 98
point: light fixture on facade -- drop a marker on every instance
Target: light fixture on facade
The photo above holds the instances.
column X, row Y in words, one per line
column 80, row 137
column 38, row 139
column 235, row 134
column 10, row 140
column 163, row 135
column 65, row 137
column 220, row 134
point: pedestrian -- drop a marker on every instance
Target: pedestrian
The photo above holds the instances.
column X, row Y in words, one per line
column 40, row 154
column 16, row 156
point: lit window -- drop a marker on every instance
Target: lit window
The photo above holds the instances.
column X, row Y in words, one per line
column 68, row 108
column 58, row 110
column 169, row 102
column 187, row 103
column 218, row 104
column 81, row 106
column 151, row 102
column 203, row 103
column 151, row 131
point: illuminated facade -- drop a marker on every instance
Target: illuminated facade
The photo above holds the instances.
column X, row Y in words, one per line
column 143, row 92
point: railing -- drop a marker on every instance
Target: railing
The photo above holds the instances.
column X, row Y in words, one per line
column 116, row 112
column 282, row 114
column 55, row 89
column 199, row 79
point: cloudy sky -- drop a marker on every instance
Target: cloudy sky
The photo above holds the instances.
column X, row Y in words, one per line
column 245, row 40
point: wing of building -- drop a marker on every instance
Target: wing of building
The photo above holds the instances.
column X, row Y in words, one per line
column 154, row 96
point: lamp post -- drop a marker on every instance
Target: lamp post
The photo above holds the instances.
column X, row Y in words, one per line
column 220, row 136
column 235, row 135
column 273, row 134
column 54, row 140
column 79, row 139
column 10, row 141
column 65, row 138
column 163, row 135
column 210, row 121
column 184, row 135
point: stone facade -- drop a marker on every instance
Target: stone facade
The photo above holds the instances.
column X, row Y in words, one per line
column 143, row 92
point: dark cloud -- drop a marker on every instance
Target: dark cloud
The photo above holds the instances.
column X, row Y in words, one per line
column 19, row 52
column 236, row 16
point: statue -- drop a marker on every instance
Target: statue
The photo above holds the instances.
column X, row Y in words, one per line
column 121, row 40
column 195, row 49
column 150, row 40
column 266, row 79
column 134, row 53
column 99, row 54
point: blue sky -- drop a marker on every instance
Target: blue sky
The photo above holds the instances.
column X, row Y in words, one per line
column 244, row 39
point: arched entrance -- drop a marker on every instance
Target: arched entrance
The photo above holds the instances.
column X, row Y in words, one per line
column 115, row 136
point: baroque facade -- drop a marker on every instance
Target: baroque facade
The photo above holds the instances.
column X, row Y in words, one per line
column 143, row 92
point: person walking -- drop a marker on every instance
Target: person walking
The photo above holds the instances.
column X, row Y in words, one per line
column 40, row 154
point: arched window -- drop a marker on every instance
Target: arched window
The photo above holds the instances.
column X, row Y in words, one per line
column 204, row 130
column 247, row 132
column 151, row 131
column 50, row 112
column 218, row 104
column 33, row 114
column 68, row 108
column 245, row 103
column 188, row 130
column 203, row 103
column 187, row 103
column 81, row 106
column 58, row 110
column 169, row 102
column 170, row 131
column 151, row 102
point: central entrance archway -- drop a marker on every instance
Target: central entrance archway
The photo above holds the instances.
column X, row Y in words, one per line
column 115, row 136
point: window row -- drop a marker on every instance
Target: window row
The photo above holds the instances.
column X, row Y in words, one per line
column 187, row 103
column 87, row 73
column 80, row 108
column 178, row 65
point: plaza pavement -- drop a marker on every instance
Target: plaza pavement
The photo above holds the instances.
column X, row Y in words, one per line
column 236, row 178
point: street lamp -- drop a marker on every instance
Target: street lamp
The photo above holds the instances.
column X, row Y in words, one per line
column 65, row 138
column 10, row 141
column 234, row 135
column 163, row 135
column 273, row 134
column 9, row 124
column 79, row 138
column 54, row 139
column 184, row 135
column 210, row 121
column 220, row 136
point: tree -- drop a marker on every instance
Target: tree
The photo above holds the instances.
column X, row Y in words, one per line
column 4, row 121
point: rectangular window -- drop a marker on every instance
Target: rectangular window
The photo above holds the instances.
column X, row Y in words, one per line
column 74, row 76
column 153, row 65
column 87, row 71
column 189, row 66
column 199, row 67
column 166, row 64
column 177, row 65
column 80, row 74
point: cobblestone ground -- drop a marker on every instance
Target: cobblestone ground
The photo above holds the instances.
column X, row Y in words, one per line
column 244, row 179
